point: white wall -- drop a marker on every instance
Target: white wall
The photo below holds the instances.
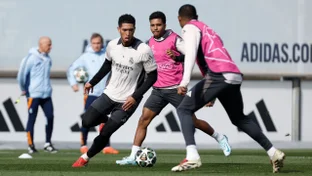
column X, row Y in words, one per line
column 68, row 106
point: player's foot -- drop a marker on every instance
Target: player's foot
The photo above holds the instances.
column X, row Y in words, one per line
column 48, row 147
column 126, row 161
column 80, row 162
column 278, row 161
column 32, row 149
column 187, row 165
column 84, row 149
column 110, row 150
column 225, row 146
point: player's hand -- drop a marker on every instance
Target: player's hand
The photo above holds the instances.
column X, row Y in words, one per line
column 128, row 104
column 23, row 93
column 182, row 90
column 75, row 88
column 88, row 88
column 171, row 54
column 211, row 103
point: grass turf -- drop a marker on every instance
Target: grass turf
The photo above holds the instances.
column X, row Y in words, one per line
column 241, row 162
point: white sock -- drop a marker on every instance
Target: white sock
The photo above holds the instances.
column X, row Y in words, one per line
column 192, row 153
column 134, row 150
column 271, row 152
column 85, row 156
column 217, row 136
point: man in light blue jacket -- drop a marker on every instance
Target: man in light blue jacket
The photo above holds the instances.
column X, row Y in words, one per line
column 91, row 60
column 34, row 81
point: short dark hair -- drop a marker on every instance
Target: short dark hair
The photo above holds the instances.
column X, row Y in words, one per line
column 188, row 11
column 96, row 35
column 126, row 18
column 158, row 15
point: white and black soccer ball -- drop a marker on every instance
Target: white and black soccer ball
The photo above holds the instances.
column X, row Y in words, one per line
column 81, row 75
column 146, row 157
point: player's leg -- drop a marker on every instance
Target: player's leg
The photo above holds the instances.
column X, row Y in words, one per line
column 47, row 107
column 33, row 104
column 175, row 99
column 172, row 96
column 117, row 119
column 84, row 131
column 152, row 107
column 220, row 138
column 232, row 101
column 108, row 149
column 202, row 93
column 97, row 111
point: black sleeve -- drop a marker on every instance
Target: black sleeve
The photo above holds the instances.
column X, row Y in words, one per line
column 180, row 58
column 148, row 83
column 106, row 68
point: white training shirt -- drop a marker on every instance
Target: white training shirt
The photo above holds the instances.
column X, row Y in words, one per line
column 129, row 65
column 191, row 36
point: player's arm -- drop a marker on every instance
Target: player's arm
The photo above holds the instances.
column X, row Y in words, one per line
column 70, row 72
column 150, row 68
column 104, row 70
column 180, row 47
column 191, row 37
column 23, row 71
column 179, row 44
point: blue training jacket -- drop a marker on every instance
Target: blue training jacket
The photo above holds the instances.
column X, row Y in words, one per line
column 34, row 74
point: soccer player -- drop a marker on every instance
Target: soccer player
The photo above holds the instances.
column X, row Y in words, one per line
column 34, row 81
column 91, row 60
column 166, row 45
column 222, row 80
column 129, row 61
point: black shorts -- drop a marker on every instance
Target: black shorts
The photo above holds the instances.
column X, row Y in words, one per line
column 106, row 106
column 159, row 99
column 208, row 89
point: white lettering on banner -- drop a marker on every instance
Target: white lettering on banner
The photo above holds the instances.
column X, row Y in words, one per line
column 69, row 34
column 267, row 102
column 306, row 111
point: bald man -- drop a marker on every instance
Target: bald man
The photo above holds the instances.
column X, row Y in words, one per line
column 34, row 81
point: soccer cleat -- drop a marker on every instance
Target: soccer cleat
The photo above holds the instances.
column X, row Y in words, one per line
column 225, row 146
column 84, row 149
column 126, row 161
column 80, row 162
column 110, row 150
column 278, row 161
column 32, row 149
column 187, row 165
column 48, row 147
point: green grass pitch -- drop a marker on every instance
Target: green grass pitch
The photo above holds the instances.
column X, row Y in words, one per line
column 241, row 162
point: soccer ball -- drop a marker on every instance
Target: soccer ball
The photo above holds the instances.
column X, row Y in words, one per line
column 81, row 75
column 146, row 157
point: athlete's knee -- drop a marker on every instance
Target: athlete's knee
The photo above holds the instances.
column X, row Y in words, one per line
column 146, row 118
column 181, row 111
column 144, row 121
column 86, row 123
column 87, row 117
column 196, row 121
column 50, row 117
column 238, row 119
